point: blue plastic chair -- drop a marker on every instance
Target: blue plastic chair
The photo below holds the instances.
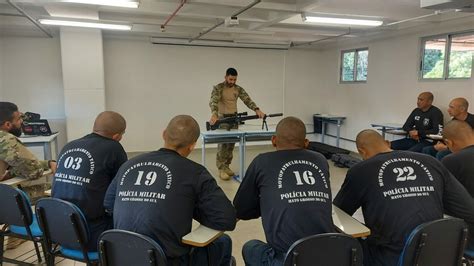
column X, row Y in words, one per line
column 325, row 249
column 124, row 248
column 66, row 232
column 439, row 242
column 18, row 218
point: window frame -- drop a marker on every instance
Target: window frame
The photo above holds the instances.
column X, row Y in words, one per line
column 356, row 59
column 447, row 51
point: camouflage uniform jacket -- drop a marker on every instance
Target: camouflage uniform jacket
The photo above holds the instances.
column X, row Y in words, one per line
column 18, row 160
column 216, row 99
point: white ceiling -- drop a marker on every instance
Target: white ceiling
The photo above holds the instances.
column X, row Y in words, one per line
column 267, row 22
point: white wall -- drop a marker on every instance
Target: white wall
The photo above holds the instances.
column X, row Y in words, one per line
column 31, row 77
column 392, row 85
column 149, row 84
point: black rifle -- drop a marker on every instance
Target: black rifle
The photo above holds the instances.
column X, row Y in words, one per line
column 238, row 119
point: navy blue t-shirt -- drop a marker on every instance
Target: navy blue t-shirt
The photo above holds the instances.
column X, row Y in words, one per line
column 85, row 169
column 397, row 191
column 291, row 190
column 470, row 119
column 461, row 165
column 159, row 193
column 429, row 122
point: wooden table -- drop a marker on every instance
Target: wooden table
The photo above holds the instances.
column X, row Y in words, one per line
column 203, row 236
column 348, row 224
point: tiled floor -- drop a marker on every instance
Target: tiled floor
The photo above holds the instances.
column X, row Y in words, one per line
column 244, row 231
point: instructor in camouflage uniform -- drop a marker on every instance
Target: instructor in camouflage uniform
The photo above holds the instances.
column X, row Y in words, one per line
column 15, row 159
column 223, row 103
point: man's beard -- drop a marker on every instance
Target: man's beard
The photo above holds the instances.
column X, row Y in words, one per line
column 15, row 131
column 228, row 84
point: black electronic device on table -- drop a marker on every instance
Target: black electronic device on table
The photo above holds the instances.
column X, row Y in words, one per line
column 39, row 127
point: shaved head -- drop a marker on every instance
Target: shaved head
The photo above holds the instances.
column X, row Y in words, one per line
column 461, row 102
column 370, row 143
column 109, row 123
column 427, row 95
column 424, row 101
column 182, row 131
column 456, row 129
column 458, row 108
column 457, row 135
column 290, row 133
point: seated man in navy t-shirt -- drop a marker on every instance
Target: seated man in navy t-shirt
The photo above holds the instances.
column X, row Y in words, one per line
column 158, row 194
column 86, row 167
column 424, row 120
column 398, row 190
column 290, row 189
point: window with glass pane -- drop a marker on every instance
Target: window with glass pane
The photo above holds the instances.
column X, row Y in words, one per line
column 461, row 54
column 362, row 61
column 348, row 66
column 433, row 58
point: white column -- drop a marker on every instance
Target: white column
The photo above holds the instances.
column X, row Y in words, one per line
column 83, row 70
column 83, row 78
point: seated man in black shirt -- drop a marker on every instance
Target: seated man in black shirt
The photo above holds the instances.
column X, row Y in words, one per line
column 158, row 194
column 424, row 120
column 290, row 189
column 458, row 111
column 398, row 190
column 86, row 167
column 459, row 137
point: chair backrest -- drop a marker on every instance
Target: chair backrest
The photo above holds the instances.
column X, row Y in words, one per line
column 325, row 249
column 439, row 242
column 16, row 207
column 62, row 222
column 119, row 247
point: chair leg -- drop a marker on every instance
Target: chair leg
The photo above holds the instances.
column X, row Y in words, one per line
column 37, row 251
column 2, row 242
column 209, row 261
column 45, row 252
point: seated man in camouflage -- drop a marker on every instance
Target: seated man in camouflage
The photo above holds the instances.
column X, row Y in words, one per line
column 15, row 158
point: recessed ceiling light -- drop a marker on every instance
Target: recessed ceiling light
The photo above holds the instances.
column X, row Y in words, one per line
column 96, row 25
column 119, row 3
column 342, row 21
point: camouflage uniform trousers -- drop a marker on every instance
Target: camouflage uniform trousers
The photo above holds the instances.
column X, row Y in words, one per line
column 225, row 150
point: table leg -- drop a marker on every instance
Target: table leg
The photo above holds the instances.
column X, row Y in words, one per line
column 242, row 157
column 203, row 151
column 338, row 132
column 323, row 130
column 47, row 151
column 383, row 132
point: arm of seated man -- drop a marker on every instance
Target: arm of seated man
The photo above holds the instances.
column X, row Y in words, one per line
column 213, row 209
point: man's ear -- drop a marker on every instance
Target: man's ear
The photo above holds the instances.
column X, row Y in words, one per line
column 163, row 135
column 6, row 125
column 191, row 147
column 306, row 143
column 117, row 137
column 274, row 141
column 449, row 143
column 362, row 152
